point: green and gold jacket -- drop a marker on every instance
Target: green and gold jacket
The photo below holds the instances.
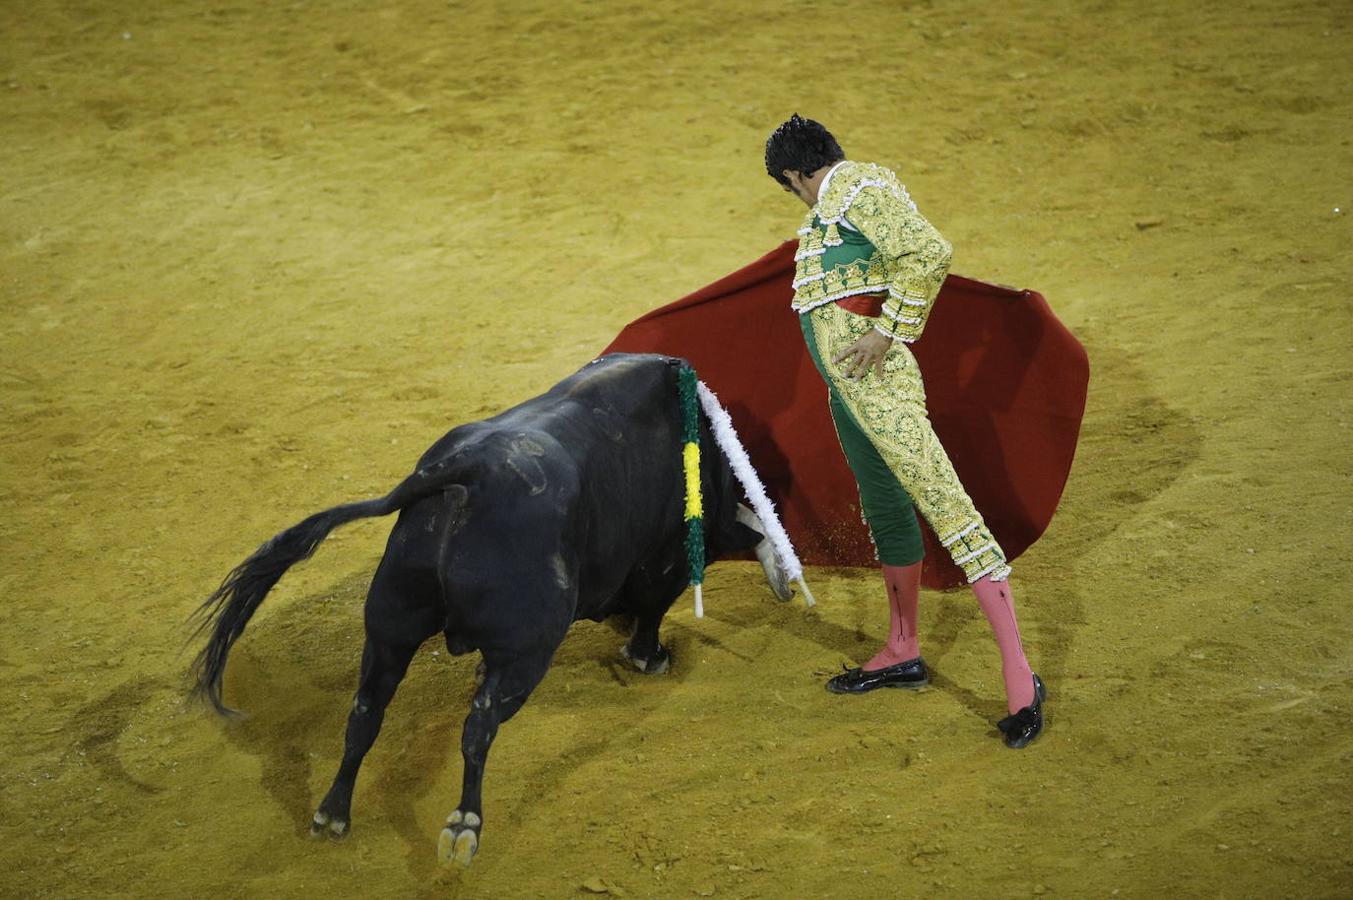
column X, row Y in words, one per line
column 865, row 236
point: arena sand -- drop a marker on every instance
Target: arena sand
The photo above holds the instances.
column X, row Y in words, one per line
column 255, row 257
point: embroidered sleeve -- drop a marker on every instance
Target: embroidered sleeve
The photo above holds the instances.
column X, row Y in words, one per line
column 918, row 255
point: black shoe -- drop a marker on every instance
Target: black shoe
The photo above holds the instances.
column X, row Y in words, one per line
column 1025, row 725
column 910, row 674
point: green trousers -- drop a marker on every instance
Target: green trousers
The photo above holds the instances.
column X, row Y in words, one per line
column 887, row 508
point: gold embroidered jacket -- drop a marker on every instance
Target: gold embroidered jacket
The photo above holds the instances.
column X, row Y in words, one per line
column 887, row 246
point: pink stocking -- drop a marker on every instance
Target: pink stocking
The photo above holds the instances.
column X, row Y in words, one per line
column 998, row 604
column 904, row 590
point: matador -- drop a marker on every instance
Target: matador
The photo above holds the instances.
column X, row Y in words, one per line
column 868, row 269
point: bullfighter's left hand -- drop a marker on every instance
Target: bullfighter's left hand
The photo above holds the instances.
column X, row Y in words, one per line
column 863, row 355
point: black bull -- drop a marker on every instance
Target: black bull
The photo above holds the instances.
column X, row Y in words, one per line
column 566, row 507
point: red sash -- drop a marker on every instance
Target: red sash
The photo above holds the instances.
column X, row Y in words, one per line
column 863, row 305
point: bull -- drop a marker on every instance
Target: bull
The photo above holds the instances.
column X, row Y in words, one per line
column 566, row 507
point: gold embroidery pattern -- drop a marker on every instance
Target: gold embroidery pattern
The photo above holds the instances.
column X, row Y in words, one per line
column 839, row 193
column 914, row 257
column 891, row 410
column 922, row 257
column 808, row 259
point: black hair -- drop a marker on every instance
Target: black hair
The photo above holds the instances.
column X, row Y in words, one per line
column 800, row 145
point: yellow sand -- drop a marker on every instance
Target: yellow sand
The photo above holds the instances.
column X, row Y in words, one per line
column 254, row 257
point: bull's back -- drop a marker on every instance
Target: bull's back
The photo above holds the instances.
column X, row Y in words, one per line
column 586, row 475
column 608, row 419
column 618, row 419
column 615, row 396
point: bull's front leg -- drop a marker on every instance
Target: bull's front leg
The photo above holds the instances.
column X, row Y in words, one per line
column 644, row 651
column 649, row 594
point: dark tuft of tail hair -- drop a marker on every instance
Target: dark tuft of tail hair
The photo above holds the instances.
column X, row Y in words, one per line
column 232, row 605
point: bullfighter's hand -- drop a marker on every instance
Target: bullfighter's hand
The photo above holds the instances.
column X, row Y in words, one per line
column 862, row 355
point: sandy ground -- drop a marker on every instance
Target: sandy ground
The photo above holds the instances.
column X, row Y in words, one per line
column 255, row 257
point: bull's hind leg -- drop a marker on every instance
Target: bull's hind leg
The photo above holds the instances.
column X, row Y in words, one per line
column 503, row 691
column 383, row 667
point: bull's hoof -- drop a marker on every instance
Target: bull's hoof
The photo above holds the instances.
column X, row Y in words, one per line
column 324, row 826
column 459, row 840
column 657, row 662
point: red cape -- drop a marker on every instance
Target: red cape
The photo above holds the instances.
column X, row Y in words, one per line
column 1005, row 384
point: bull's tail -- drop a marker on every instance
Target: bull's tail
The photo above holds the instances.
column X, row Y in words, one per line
column 232, row 605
